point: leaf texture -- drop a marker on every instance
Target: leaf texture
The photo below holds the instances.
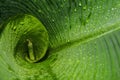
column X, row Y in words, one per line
column 84, row 39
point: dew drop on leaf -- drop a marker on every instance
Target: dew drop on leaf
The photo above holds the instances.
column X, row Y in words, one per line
column 80, row 4
column 75, row 9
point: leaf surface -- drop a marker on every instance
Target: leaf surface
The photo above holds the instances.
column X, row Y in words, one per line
column 84, row 42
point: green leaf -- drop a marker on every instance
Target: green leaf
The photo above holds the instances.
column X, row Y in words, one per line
column 84, row 42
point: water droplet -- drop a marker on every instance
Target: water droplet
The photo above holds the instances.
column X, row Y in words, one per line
column 80, row 4
column 85, row 7
column 14, row 28
column 39, row 11
column 68, row 40
column 53, row 20
column 75, row 9
column 113, row 8
column 62, row 5
column 97, row 7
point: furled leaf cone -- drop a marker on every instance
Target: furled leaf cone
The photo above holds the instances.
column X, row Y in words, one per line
column 33, row 39
column 24, row 41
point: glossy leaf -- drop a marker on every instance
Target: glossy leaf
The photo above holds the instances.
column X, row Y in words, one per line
column 84, row 42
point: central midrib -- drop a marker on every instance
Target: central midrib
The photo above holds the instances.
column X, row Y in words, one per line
column 97, row 34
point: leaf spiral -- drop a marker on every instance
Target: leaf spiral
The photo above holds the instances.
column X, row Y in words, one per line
column 24, row 41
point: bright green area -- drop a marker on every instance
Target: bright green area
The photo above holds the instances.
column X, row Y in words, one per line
column 84, row 42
